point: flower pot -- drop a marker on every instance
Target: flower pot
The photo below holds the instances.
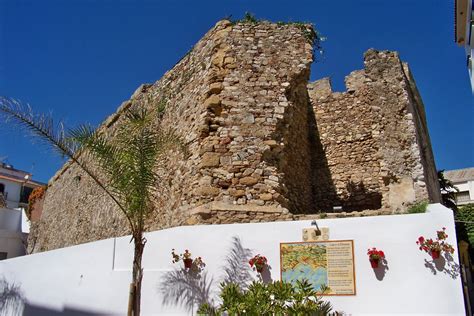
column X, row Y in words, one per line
column 188, row 263
column 374, row 263
column 435, row 254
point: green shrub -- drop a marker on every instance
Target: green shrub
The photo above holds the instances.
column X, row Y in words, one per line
column 277, row 298
column 419, row 207
column 465, row 223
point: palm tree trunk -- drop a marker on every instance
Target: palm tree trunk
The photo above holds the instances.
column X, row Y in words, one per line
column 137, row 275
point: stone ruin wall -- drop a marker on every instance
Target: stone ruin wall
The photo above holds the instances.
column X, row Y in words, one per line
column 230, row 99
column 260, row 147
column 375, row 139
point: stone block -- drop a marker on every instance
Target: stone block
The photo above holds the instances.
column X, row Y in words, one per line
column 210, row 159
column 248, row 181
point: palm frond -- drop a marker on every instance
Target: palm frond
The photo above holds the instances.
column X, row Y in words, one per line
column 127, row 161
column 41, row 126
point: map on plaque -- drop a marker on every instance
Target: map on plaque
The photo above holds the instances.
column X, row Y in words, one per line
column 322, row 263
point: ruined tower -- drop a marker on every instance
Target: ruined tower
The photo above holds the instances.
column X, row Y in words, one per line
column 264, row 144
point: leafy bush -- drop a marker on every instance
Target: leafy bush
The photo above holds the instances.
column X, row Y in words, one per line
column 419, row 207
column 277, row 298
column 465, row 223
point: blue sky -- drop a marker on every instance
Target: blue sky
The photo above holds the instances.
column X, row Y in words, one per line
column 80, row 59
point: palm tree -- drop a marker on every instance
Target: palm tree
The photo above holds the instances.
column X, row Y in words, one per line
column 128, row 162
column 448, row 191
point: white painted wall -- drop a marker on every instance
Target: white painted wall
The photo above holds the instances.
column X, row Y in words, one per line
column 466, row 186
column 13, row 230
column 12, row 190
column 94, row 277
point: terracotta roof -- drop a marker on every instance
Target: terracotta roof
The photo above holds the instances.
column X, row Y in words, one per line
column 460, row 175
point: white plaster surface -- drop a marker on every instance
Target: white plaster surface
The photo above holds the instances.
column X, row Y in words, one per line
column 94, row 277
column 13, row 226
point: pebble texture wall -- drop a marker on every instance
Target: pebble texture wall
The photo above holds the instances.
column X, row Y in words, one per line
column 259, row 146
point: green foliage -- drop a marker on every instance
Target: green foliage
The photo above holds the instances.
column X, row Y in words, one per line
column 465, row 223
column 277, row 298
column 323, row 215
column 207, row 309
column 161, row 107
column 248, row 18
column 419, row 207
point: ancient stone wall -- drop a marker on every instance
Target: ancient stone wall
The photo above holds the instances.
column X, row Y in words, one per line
column 232, row 99
column 262, row 144
column 375, row 139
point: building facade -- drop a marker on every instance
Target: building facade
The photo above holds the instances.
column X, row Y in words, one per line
column 464, row 32
column 463, row 180
column 15, row 188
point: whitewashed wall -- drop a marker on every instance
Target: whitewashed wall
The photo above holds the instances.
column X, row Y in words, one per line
column 93, row 278
column 13, row 231
column 12, row 192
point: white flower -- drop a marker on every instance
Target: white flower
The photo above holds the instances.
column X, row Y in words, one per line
column 288, row 303
column 272, row 297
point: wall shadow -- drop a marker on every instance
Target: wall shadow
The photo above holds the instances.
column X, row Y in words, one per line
column 444, row 264
column 266, row 275
column 14, row 303
column 323, row 188
column 236, row 268
column 186, row 288
column 190, row 289
column 381, row 270
column 12, row 300
column 360, row 198
column 36, row 310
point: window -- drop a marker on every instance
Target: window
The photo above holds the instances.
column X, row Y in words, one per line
column 3, row 255
column 462, row 197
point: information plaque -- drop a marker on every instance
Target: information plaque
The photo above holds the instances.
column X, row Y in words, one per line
column 329, row 263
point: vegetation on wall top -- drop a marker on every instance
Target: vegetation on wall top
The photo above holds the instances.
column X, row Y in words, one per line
column 308, row 29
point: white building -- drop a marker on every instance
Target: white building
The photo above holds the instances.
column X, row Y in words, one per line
column 15, row 188
column 463, row 179
column 464, row 32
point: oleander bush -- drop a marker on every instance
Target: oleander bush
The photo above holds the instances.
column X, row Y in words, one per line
column 276, row 298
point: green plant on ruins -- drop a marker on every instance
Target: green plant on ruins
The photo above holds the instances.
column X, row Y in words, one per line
column 308, row 29
column 128, row 162
column 248, row 18
column 277, row 298
column 419, row 207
